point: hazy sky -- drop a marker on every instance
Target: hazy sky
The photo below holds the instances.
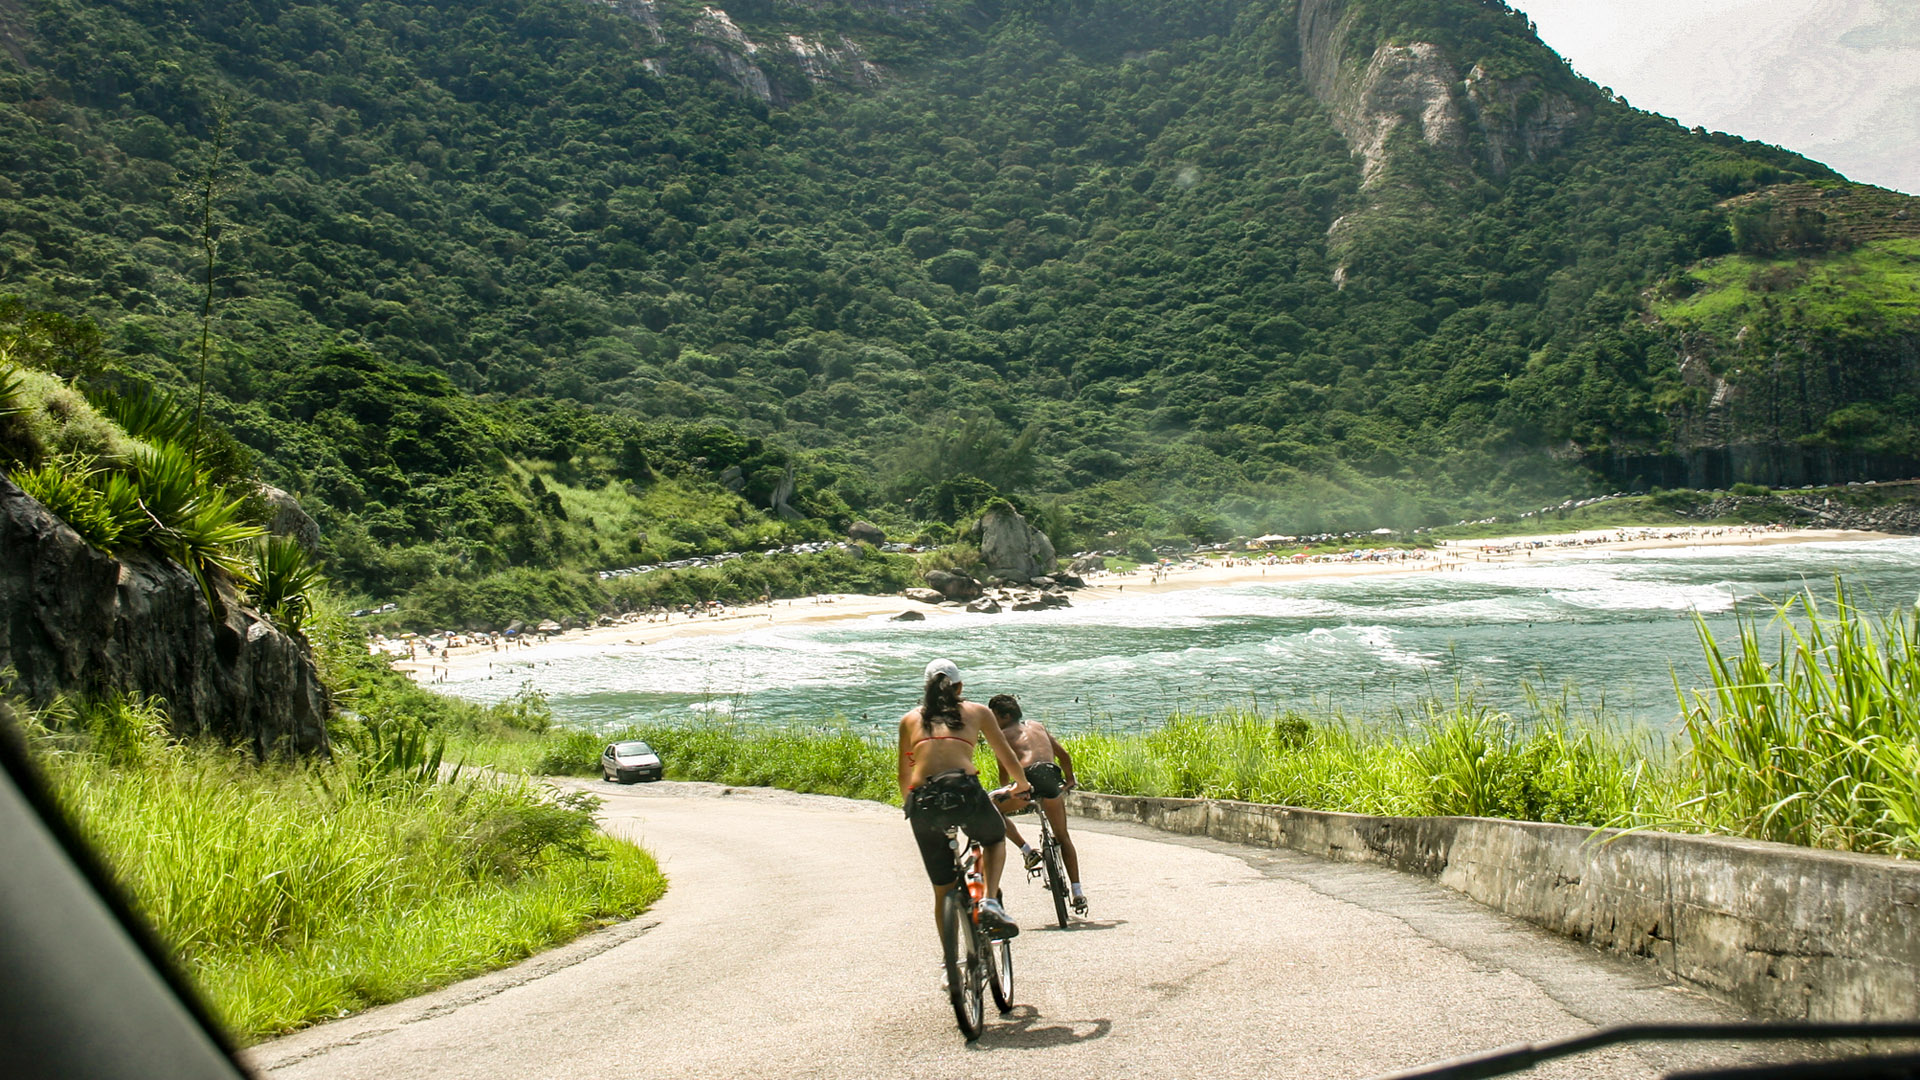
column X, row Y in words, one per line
column 1836, row 80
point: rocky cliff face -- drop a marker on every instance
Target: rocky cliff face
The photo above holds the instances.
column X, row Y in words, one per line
column 1414, row 94
column 1418, row 88
column 754, row 66
column 74, row 620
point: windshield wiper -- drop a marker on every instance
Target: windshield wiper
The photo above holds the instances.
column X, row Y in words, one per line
column 1512, row 1059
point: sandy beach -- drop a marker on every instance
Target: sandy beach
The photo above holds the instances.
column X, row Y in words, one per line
column 840, row 607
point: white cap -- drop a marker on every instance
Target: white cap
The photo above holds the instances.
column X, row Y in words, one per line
column 941, row 667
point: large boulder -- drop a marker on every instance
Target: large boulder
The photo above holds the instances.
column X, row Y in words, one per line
column 74, row 620
column 953, row 585
column 288, row 518
column 866, row 532
column 910, row 616
column 1012, row 549
column 925, row 596
column 986, row 605
column 1088, row 564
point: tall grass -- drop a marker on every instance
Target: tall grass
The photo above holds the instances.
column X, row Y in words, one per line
column 1459, row 758
column 1816, row 742
column 294, row 893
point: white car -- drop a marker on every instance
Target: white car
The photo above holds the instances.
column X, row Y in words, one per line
column 625, row 762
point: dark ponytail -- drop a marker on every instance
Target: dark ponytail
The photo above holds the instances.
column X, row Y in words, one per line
column 941, row 703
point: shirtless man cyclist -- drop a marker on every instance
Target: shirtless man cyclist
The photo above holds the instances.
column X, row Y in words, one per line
column 1049, row 768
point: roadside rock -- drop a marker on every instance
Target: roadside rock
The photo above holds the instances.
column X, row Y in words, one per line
column 1012, row 549
column 866, row 532
column 909, row 616
column 925, row 596
column 986, row 605
column 76, row 620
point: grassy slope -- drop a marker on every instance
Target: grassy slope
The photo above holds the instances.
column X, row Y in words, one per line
column 296, row 893
column 1878, row 281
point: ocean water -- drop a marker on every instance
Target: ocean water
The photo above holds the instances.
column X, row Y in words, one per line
column 1614, row 630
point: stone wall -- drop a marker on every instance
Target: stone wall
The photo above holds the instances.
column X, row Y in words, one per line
column 1780, row 930
column 75, row 620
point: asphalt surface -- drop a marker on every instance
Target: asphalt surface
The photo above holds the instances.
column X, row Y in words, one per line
column 797, row 940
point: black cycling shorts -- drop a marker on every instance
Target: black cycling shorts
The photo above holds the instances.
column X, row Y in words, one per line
column 1047, row 780
column 954, row 797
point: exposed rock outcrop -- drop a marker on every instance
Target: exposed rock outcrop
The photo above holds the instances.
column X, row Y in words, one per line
column 866, row 532
column 742, row 59
column 925, row 596
column 953, row 585
column 1392, row 98
column 644, row 12
column 1518, row 121
column 1012, row 549
column 75, row 620
column 290, row 519
column 1418, row 87
column 1403, row 86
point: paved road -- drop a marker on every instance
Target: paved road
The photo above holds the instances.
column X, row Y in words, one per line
column 797, row 940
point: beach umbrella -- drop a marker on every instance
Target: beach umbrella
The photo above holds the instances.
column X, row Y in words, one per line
column 549, row 627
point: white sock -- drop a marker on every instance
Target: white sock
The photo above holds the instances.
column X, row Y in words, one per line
column 1078, row 895
column 1026, row 849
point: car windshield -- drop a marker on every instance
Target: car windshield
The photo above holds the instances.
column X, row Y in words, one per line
column 631, row 749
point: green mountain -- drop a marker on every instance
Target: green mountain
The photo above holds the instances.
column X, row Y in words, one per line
column 524, row 283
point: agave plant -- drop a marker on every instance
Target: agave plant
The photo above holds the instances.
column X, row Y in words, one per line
column 194, row 521
column 147, row 414
column 285, row 580
column 9, row 386
column 95, row 503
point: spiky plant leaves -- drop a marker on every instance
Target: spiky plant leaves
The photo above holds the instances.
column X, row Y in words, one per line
column 71, row 488
column 194, row 521
column 146, row 413
column 285, row 580
column 9, row 387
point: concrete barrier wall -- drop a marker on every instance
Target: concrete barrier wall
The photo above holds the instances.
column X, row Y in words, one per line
column 1780, row 930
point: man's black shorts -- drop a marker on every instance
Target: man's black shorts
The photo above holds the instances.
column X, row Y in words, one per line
column 1047, row 780
column 954, row 797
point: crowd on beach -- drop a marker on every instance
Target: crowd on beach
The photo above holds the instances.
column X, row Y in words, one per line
column 1526, row 547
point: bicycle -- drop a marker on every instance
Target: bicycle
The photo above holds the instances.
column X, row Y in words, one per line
column 975, row 962
column 1051, row 871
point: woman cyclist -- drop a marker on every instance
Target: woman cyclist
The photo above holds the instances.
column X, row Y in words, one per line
column 940, row 787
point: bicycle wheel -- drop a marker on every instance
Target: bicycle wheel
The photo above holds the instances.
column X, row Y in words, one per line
column 964, row 981
column 999, row 956
column 1056, row 878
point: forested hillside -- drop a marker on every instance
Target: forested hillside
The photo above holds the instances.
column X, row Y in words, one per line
column 535, row 283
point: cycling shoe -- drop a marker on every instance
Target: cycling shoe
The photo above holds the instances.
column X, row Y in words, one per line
column 993, row 918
